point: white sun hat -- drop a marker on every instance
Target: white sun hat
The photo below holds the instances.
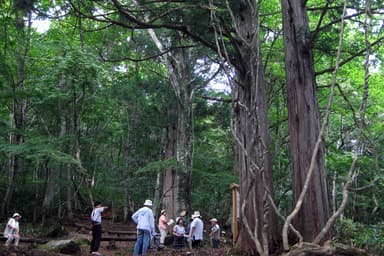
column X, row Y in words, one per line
column 148, row 203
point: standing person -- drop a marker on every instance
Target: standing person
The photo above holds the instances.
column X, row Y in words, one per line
column 215, row 233
column 178, row 234
column 96, row 227
column 196, row 232
column 163, row 227
column 187, row 231
column 145, row 227
column 11, row 231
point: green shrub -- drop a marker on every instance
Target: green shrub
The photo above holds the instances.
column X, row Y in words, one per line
column 369, row 237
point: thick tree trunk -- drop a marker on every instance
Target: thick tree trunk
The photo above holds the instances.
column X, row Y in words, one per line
column 304, row 120
column 257, row 233
column 180, row 74
column 184, row 131
column 169, row 151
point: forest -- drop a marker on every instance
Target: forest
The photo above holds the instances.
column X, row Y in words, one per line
column 176, row 101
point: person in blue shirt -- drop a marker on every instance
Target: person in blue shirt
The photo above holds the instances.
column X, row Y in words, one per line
column 96, row 227
column 145, row 228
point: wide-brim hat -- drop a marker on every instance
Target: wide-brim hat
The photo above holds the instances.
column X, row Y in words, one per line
column 213, row 220
column 148, row 203
column 196, row 214
column 163, row 211
column 16, row 215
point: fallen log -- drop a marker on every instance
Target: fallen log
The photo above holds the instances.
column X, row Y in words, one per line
column 122, row 232
column 118, row 238
column 27, row 240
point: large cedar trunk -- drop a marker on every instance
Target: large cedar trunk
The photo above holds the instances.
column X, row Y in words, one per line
column 254, row 161
column 169, row 144
column 177, row 182
column 304, row 120
column 184, row 132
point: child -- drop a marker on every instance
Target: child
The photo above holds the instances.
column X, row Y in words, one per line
column 178, row 234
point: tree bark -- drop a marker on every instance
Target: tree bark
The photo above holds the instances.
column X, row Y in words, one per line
column 304, row 120
column 180, row 73
column 257, row 233
column 169, row 145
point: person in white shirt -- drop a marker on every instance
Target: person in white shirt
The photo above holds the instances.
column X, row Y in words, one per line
column 178, row 234
column 145, row 227
column 96, row 227
column 11, row 231
column 196, row 231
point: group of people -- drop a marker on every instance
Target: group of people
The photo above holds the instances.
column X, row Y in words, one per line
column 143, row 218
column 191, row 233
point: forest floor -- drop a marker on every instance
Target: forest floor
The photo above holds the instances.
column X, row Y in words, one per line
column 119, row 248
column 125, row 248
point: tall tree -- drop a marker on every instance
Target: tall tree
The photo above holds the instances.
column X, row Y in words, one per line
column 22, row 16
column 304, row 121
column 257, row 232
column 177, row 182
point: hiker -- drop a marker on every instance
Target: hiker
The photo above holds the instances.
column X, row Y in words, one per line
column 178, row 234
column 11, row 231
column 187, row 231
column 215, row 233
column 163, row 227
column 145, row 228
column 196, row 231
column 96, row 227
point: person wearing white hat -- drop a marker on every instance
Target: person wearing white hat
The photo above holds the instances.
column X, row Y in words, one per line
column 196, row 231
column 145, row 227
column 11, row 231
column 215, row 233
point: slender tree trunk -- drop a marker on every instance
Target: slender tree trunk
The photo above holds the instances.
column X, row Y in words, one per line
column 304, row 120
column 69, row 194
column 19, row 105
column 257, row 233
column 53, row 174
